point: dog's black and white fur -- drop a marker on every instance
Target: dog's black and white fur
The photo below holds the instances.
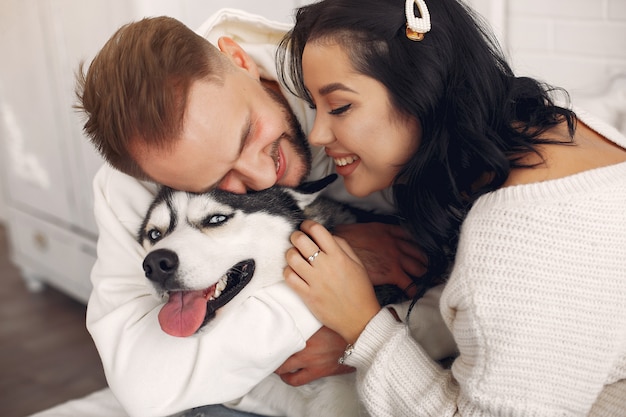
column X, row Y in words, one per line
column 237, row 244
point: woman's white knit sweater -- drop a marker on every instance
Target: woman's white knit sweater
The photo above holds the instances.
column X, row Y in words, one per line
column 537, row 305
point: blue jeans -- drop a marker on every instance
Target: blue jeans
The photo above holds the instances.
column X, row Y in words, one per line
column 215, row 411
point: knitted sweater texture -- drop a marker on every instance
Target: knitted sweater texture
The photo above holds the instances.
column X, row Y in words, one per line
column 537, row 305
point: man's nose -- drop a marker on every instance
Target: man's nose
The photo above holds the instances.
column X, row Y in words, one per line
column 255, row 174
column 232, row 184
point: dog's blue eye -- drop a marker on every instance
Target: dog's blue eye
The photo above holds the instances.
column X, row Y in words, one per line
column 154, row 235
column 217, row 219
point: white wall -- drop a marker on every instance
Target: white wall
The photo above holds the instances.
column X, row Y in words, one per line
column 194, row 12
column 577, row 44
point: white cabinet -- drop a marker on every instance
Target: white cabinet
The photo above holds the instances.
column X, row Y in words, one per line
column 47, row 164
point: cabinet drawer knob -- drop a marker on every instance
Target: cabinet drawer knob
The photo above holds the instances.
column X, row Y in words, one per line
column 41, row 241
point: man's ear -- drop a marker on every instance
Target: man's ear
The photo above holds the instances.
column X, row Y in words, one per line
column 239, row 57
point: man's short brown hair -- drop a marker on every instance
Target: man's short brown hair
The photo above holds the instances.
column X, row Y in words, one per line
column 136, row 87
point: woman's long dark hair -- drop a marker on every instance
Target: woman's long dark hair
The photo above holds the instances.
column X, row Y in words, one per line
column 478, row 119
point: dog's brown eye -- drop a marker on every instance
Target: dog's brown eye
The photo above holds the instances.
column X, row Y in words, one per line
column 154, row 235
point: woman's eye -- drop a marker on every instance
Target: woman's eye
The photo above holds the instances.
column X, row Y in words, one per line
column 340, row 110
column 154, row 235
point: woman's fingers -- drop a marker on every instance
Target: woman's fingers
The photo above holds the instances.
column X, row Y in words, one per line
column 305, row 246
column 295, row 281
column 318, row 234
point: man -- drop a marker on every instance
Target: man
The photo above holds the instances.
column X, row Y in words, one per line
column 165, row 105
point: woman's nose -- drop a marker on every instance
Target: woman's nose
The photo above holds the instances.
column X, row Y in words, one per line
column 321, row 134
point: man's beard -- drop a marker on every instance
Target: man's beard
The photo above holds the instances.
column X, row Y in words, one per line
column 295, row 136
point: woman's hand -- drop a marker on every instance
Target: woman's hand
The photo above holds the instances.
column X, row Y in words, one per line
column 332, row 282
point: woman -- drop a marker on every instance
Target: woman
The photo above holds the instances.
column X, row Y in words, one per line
column 518, row 201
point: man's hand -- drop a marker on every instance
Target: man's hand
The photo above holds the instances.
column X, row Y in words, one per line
column 387, row 251
column 318, row 359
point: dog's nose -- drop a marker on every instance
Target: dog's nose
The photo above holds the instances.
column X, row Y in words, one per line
column 160, row 265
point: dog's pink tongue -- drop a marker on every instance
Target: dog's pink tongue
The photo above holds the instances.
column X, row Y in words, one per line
column 184, row 313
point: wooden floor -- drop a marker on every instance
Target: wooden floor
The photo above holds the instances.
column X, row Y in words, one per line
column 46, row 355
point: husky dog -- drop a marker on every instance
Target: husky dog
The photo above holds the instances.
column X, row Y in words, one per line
column 249, row 235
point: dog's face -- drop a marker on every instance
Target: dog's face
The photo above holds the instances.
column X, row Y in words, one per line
column 205, row 249
column 211, row 251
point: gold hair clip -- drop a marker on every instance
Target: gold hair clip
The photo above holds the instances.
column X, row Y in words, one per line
column 416, row 27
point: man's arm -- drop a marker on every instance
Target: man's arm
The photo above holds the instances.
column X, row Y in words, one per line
column 150, row 372
column 318, row 359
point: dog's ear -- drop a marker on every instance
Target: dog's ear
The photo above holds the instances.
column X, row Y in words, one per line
column 307, row 192
column 312, row 187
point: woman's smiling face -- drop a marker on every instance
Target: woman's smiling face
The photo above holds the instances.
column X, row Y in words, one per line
column 366, row 137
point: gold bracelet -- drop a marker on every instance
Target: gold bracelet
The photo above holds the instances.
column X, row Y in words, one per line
column 346, row 353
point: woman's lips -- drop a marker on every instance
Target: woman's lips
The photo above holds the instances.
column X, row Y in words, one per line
column 345, row 165
column 346, row 160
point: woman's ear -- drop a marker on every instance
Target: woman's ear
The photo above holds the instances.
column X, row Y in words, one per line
column 238, row 56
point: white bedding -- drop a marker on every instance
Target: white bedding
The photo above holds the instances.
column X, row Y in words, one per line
column 98, row 404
